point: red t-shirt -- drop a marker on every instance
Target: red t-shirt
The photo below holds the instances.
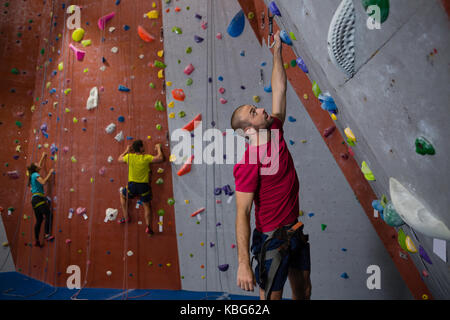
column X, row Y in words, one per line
column 275, row 186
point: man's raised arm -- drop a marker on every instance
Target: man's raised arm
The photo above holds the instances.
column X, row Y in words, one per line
column 278, row 81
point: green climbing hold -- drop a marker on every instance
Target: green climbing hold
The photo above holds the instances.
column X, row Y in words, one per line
column 159, row 64
column 367, row 172
column 170, row 201
column 293, row 63
column 15, row 71
column 42, row 51
column 391, row 216
column 159, row 181
column 316, row 89
column 161, row 212
column 181, row 114
column 189, row 81
column 350, row 142
column 382, row 4
column 151, row 85
column 383, row 201
column 402, row 239
column 323, row 226
column 188, row 50
column 177, row 30
column 159, row 106
column 158, row 127
column 19, row 124
column 423, row 146
column 292, row 35
column 7, row 4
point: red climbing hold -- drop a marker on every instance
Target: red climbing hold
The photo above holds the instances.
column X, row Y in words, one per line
column 186, row 168
column 197, row 212
column 194, row 123
column 178, row 94
column 144, row 35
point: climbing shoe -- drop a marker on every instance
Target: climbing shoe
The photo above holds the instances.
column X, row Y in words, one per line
column 49, row 238
column 149, row 231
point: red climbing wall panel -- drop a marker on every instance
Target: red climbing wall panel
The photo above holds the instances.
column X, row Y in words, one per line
column 97, row 247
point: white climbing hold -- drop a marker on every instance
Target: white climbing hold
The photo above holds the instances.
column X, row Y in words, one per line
column 111, row 214
column 111, row 29
column 130, row 253
column 141, row 56
column 114, row 49
column 110, row 159
column 108, row 273
column 92, row 101
column 119, row 137
column 110, row 129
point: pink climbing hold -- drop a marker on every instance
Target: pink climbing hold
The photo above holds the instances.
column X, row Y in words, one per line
column 189, row 69
column 68, row 241
column 66, row 149
column 223, row 101
column 222, row 90
column 102, row 171
column 79, row 53
column 103, row 20
column 81, row 210
column 219, row 36
column 233, row 246
column 204, row 25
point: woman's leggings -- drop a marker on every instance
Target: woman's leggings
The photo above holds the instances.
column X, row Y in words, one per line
column 41, row 208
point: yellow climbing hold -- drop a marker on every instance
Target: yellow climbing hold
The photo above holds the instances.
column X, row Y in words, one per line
column 171, row 104
column 286, row 65
column 410, row 245
column 256, row 99
column 5, row 244
column 161, row 74
column 72, row 190
column 33, row 108
column 149, row 263
column 172, row 115
column 172, row 158
column 300, row 213
column 86, row 70
column 154, row 5
column 46, row 145
column 251, row 15
column 367, row 172
column 202, row 244
column 86, row 43
column 292, row 35
column 168, row 264
column 67, row 110
column 80, row 251
column 424, row 297
column 154, row 14
column 168, row 83
column 67, row 91
column 333, row 116
column 160, row 53
column 149, row 137
column 181, row 234
column 92, row 180
column 48, row 84
column 203, row 277
column 348, row 132
column 61, row 66
column 186, row 201
column 305, row 96
column 78, row 34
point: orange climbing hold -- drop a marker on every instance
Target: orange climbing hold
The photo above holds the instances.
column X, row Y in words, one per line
column 194, row 123
column 178, row 94
column 144, row 35
column 186, row 168
column 197, row 212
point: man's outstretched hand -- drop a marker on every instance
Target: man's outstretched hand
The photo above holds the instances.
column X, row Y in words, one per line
column 245, row 277
column 277, row 39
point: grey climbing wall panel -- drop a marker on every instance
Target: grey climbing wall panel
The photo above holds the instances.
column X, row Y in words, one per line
column 323, row 189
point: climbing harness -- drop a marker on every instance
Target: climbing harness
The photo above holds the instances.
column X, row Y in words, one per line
column 277, row 255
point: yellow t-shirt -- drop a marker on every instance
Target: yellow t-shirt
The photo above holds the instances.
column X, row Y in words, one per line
column 138, row 167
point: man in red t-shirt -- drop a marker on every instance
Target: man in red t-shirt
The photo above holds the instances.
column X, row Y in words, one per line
column 266, row 176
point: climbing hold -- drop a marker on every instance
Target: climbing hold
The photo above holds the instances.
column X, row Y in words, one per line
column 103, row 20
column 223, row 267
column 78, row 34
column 256, row 99
column 316, row 89
column 177, row 30
column 223, row 101
column 159, row 181
column 401, row 239
column 410, row 245
column 333, row 116
column 159, row 106
column 323, row 226
column 222, row 90
column 92, row 101
column 197, row 212
column 310, row 214
column 86, row 43
column 219, row 36
column 217, row 191
column 123, row 88
column 121, row 119
column 348, row 132
column 188, row 50
column 171, row 201
column 114, row 49
column 344, row 275
column 186, row 168
column 193, row 123
column 367, row 172
column 328, row 103
column 198, row 39
column 328, row 131
column 189, row 81
column 110, row 128
column 154, row 14
column 119, row 137
column 274, row 9
column 68, row 241
column 204, row 25
column 67, row 91
column 130, row 253
column 424, row 255
column 391, row 217
column 189, row 69
column 383, row 6
column 292, row 119
column 158, row 127
column 423, row 146
column 159, row 64
column 178, row 94
column 108, row 273
column 237, row 24
column 144, row 35
column 285, row 37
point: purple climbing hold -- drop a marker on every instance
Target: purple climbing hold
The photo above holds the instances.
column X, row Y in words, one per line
column 211, row 244
column 223, row 267
column 198, row 39
column 199, row 17
column 424, row 255
column 227, row 190
column 274, row 9
column 217, row 191
column 44, row 127
column 301, row 63
column 218, row 224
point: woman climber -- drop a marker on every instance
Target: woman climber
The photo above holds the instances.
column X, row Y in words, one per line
column 138, row 178
column 39, row 201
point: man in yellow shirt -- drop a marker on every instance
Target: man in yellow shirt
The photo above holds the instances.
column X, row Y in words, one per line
column 138, row 176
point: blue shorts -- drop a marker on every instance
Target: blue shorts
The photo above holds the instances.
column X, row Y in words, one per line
column 138, row 189
column 298, row 257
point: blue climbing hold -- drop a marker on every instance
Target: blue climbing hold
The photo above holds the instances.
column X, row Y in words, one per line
column 220, row 78
column 123, row 88
column 292, row 119
column 376, row 204
column 291, row 142
column 242, row 53
column 121, row 119
column 344, row 275
column 129, row 138
column 268, row 89
column 311, row 214
column 126, row 27
column 302, row 65
column 237, row 24
column 274, row 9
column 52, row 90
column 328, row 103
column 285, row 37
column 117, row 2
column 263, row 64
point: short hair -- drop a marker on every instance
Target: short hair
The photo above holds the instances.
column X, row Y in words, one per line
column 137, row 145
column 236, row 120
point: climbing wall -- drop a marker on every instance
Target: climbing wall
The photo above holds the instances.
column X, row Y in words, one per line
column 78, row 147
column 398, row 93
column 20, row 32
